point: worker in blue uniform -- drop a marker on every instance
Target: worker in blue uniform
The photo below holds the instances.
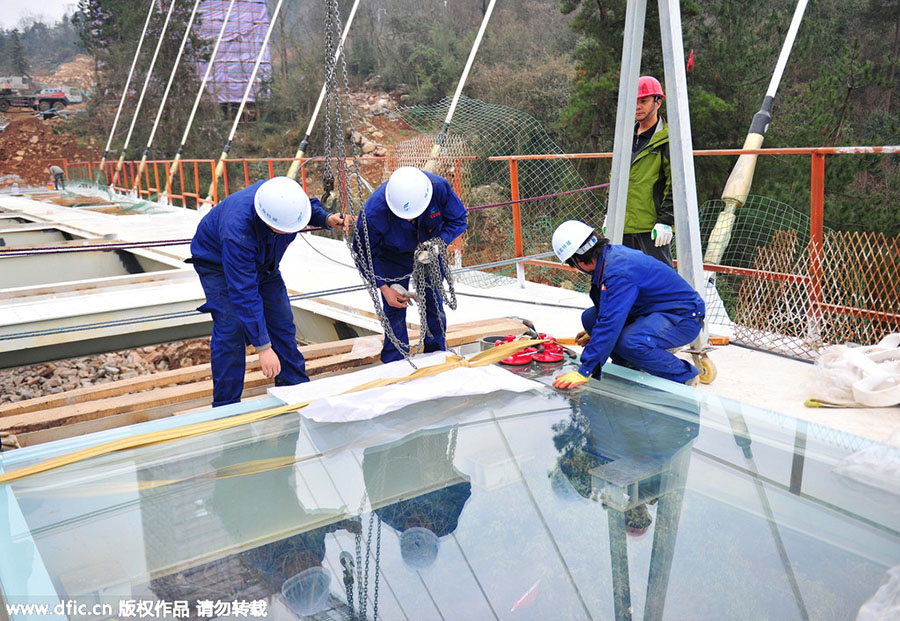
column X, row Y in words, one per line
column 642, row 308
column 236, row 252
column 409, row 208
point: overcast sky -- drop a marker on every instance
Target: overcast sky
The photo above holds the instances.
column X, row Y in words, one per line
column 49, row 10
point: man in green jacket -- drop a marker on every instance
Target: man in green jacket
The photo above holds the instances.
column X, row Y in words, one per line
column 648, row 210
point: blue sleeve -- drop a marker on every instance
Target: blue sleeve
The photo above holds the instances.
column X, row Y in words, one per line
column 615, row 303
column 319, row 215
column 239, row 264
column 454, row 215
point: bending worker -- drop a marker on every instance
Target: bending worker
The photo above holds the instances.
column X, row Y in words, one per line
column 58, row 175
column 236, row 251
column 641, row 308
column 409, row 208
column 648, row 207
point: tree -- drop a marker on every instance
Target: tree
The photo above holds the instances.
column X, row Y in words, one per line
column 17, row 53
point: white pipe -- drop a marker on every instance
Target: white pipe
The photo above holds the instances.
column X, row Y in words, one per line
column 465, row 73
column 787, row 47
column 125, row 90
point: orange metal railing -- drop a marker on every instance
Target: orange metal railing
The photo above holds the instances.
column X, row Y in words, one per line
column 798, row 290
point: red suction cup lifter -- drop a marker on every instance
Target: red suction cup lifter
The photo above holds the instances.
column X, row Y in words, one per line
column 519, row 359
column 552, row 351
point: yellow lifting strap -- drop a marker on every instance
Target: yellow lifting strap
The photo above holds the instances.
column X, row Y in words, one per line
column 490, row 356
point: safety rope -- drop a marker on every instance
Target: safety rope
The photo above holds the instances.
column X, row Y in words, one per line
column 484, row 358
column 12, row 252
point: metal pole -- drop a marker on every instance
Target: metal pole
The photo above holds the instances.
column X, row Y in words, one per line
column 137, row 52
column 301, row 150
column 431, row 164
column 220, row 165
column 632, row 44
column 165, row 97
column 684, row 185
column 137, row 110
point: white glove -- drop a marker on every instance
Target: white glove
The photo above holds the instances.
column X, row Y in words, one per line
column 425, row 256
column 662, row 234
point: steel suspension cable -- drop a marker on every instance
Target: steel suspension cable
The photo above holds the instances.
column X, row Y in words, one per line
column 431, row 164
column 738, row 185
column 115, row 124
column 165, row 97
column 301, row 150
column 187, row 130
column 137, row 110
column 220, row 165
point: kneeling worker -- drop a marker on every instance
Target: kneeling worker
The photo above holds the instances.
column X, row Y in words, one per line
column 236, row 251
column 642, row 308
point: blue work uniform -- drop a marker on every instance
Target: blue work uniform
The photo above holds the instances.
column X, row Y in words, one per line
column 392, row 241
column 641, row 309
column 236, row 256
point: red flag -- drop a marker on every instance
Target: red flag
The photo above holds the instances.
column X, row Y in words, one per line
column 690, row 62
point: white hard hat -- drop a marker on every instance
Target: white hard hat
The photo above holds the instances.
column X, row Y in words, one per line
column 282, row 204
column 307, row 592
column 408, row 192
column 418, row 547
column 572, row 237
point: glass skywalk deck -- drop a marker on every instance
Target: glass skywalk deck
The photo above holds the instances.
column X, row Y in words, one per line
column 633, row 498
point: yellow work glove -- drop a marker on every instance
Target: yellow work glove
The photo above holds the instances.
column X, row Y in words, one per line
column 570, row 380
column 582, row 338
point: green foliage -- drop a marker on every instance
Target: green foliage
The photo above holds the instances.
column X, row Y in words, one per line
column 17, row 55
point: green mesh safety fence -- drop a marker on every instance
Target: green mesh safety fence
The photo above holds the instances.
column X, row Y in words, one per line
column 482, row 130
column 801, row 300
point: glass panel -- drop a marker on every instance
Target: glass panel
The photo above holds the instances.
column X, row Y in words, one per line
column 630, row 498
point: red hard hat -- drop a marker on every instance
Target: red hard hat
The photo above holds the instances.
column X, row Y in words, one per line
column 648, row 85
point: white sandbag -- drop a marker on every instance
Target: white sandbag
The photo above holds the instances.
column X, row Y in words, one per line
column 860, row 376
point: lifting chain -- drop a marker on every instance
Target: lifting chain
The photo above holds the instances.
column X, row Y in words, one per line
column 335, row 151
column 431, row 267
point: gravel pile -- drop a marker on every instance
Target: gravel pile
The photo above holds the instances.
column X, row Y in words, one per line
column 20, row 383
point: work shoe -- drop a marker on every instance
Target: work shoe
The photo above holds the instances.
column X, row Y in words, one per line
column 694, row 381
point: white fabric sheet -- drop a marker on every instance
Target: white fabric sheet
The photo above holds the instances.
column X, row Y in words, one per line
column 329, row 405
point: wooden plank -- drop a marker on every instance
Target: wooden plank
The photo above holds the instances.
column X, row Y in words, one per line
column 92, row 409
column 456, row 335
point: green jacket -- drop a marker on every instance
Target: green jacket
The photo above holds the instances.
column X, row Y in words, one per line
column 650, row 185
